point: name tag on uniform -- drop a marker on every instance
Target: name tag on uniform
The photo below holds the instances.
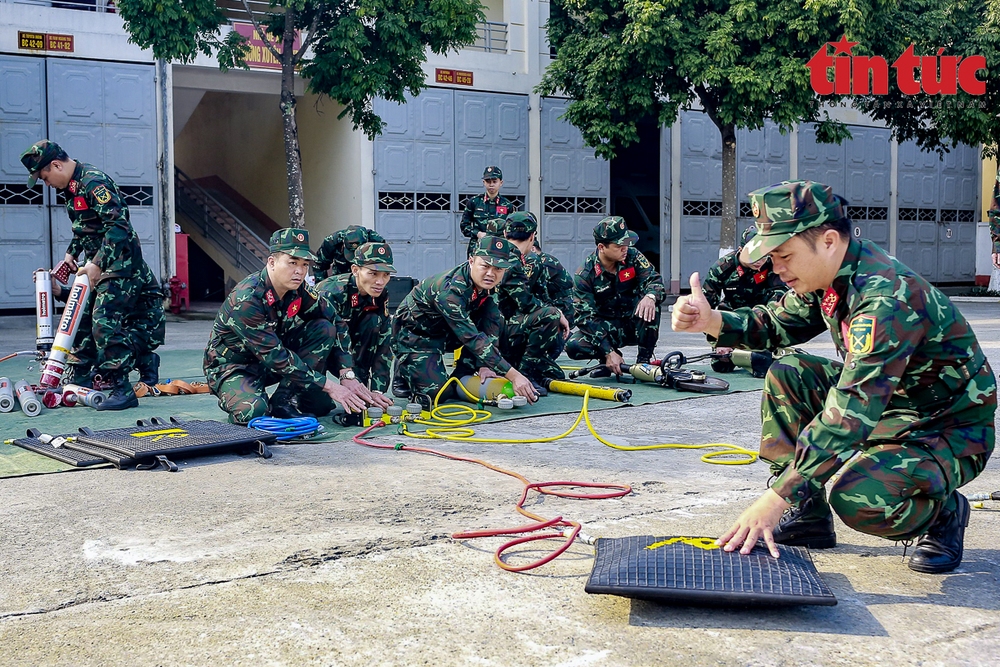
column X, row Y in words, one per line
column 80, row 204
column 501, row 210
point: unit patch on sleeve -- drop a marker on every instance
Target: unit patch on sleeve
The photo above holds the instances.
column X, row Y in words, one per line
column 102, row 195
column 862, row 335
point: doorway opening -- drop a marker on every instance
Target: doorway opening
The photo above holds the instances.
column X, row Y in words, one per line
column 635, row 189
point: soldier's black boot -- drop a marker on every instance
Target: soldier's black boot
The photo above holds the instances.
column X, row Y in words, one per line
column 149, row 370
column 400, row 389
column 644, row 356
column 121, row 397
column 284, row 405
column 808, row 525
column 940, row 550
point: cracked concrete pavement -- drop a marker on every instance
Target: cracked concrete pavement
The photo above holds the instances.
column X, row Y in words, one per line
column 335, row 554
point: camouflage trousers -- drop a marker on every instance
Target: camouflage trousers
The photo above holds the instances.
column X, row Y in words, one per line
column 892, row 489
column 624, row 332
column 531, row 343
column 242, row 393
column 371, row 350
column 121, row 326
column 425, row 372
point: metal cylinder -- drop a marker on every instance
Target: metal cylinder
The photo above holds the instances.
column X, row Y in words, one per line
column 6, row 395
column 595, row 391
column 69, row 399
column 55, row 365
column 52, row 398
column 43, row 310
column 26, row 396
column 85, row 395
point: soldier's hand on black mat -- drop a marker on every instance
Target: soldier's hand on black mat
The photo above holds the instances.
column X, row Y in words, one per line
column 757, row 522
column 344, row 396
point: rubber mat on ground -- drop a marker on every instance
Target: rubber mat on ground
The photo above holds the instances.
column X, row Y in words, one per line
column 62, row 453
column 692, row 571
column 158, row 437
column 114, row 458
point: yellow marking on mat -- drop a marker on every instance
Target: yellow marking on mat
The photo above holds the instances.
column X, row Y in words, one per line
column 162, row 433
column 706, row 543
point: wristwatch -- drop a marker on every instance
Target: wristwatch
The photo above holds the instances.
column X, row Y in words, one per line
column 348, row 375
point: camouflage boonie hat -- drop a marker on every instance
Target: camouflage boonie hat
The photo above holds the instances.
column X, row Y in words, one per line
column 38, row 157
column 521, row 221
column 294, row 242
column 497, row 252
column 352, row 237
column 613, row 230
column 377, row 256
column 785, row 209
column 492, row 172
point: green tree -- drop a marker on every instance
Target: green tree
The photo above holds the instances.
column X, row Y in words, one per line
column 352, row 50
column 940, row 30
column 742, row 60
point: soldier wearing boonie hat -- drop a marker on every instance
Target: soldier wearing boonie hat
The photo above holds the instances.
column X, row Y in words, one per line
column 360, row 301
column 455, row 309
column 904, row 421
column 617, row 296
column 335, row 253
column 274, row 328
column 483, row 207
column 124, row 322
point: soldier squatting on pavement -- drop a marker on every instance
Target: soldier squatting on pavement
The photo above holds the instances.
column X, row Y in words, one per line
column 274, row 328
column 124, row 322
column 617, row 294
column 455, row 309
column 484, row 207
column 914, row 395
column 336, row 252
column 360, row 304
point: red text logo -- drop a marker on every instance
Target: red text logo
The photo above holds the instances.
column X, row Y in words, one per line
column 869, row 75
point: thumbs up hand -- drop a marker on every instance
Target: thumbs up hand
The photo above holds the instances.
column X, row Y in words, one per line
column 693, row 314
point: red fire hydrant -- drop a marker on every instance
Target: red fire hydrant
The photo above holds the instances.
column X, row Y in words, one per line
column 180, row 297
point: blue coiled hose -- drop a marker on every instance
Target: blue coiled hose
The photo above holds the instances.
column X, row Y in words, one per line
column 288, row 429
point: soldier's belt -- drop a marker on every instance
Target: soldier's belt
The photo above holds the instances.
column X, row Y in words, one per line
column 943, row 390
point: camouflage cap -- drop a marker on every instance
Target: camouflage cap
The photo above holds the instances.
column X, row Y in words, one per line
column 294, row 242
column 352, row 237
column 492, row 172
column 38, row 157
column 748, row 234
column 613, row 230
column 785, row 209
column 521, row 221
column 497, row 252
column 377, row 256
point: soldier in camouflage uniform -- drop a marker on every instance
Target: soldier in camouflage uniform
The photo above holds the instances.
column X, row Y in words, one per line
column 617, row 294
column 124, row 322
column 455, row 309
column 487, row 206
column 274, row 328
column 735, row 282
column 335, row 254
column 994, row 221
column 534, row 329
column 360, row 302
column 906, row 419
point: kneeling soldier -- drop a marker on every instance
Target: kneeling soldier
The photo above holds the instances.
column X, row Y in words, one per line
column 451, row 310
column 337, row 250
column 362, row 357
column 274, row 328
column 617, row 294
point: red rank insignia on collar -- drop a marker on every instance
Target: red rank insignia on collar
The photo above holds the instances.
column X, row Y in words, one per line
column 79, row 204
column 598, row 268
column 475, row 293
column 501, row 210
column 73, row 187
column 739, row 270
column 760, row 276
column 355, row 300
column 294, row 307
column 626, row 274
column 829, row 302
column 270, row 298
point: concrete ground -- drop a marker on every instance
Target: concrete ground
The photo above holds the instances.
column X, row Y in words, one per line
column 335, row 554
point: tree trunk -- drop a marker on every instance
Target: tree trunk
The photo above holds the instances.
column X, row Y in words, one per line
column 727, row 240
column 293, row 157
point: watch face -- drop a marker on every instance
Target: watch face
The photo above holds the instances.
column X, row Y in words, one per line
column 349, row 375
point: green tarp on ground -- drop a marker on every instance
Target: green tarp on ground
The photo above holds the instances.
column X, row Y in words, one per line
column 186, row 365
